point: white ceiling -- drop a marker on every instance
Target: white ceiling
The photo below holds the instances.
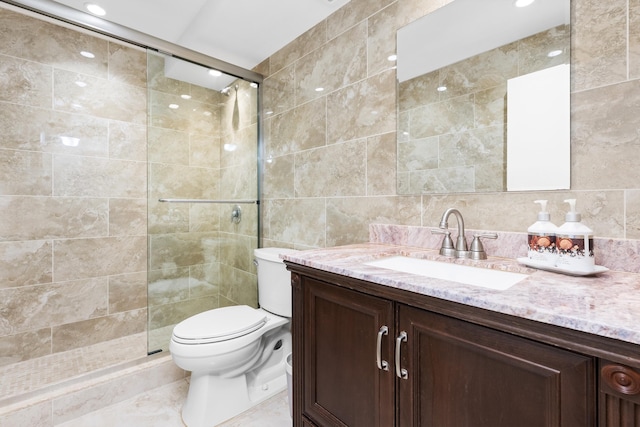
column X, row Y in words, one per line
column 241, row 32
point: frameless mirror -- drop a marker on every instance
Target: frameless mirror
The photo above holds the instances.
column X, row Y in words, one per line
column 483, row 98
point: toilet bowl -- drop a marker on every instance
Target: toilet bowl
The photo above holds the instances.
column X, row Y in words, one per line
column 237, row 354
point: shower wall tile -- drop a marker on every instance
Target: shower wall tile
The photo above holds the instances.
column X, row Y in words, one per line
column 98, row 97
column 352, row 14
column 345, row 222
column 168, row 285
column 204, row 150
column 175, row 181
column 297, row 221
column 91, row 331
column 127, row 217
column 335, row 170
column 35, row 129
column 381, row 164
column 307, row 42
column 127, row 292
column 127, row 141
column 206, row 216
column 171, row 314
column 248, row 226
column 168, row 146
column 634, row 39
column 77, row 176
column 24, row 346
column 363, row 109
column 340, row 62
column 204, row 280
column 379, row 43
column 410, row 10
column 167, row 217
column 237, row 251
column 237, row 111
column 532, row 51
column 183, row 249
column 418, row 154
column 476, row 147
column 97, row 257
column 128, row 65
column 278, row 177
column 37, row 307
column 205, row 120
column 37, row 218
column 419, row 90
column 450, row 116
column 25, row 263
column 38, row 414
column 280, row 91
column 46, row 43
column 238, row 286
column 244, row 151
column 599, row 46
column 605, row 124
column 239, row 182
column 25, row 82
column 25, row 173
column 156, row 79
column 288, row 136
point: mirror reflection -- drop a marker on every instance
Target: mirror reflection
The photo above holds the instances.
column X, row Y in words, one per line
column 484, row 98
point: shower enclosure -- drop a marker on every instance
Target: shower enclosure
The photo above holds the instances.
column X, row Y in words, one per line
column 203, row 194
column 129, row 192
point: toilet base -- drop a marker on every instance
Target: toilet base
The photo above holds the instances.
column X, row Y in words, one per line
column 212, row 400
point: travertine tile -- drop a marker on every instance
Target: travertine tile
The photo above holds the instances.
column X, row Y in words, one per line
column 37, row 307
column 25, row 82
column 340, row 62
column 98, row 329
column 533, row 51
column 127, row 141
column 381, row 164
column 599, row 44
column 308, row 41
column 36, row 415
column 183, row 249
column 335, row 170
column 99, row 97
column 35, row 129
column 127, row 217
column 363, row 109
column 445, row 117
column 604, row 145
column 173, row 313
column 176, row 181
column 77, row 176
column 297, row 221
column 634, row 39
column 632, row 209
column 288, row 135
column 24, row 346
column 280, row 91
column 105, row 256
column 25, row 263
column 381, row 41
column 204, row 150
column 168, row 285
column 344, row 217
column 127, row 64
column 25, row 173
column 418, row 154
column 127, row 292
column 278, row 177
column 352, row 14
column 46, row 218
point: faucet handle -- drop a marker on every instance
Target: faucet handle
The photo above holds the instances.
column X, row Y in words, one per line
column 447, row 248
column 477, row 249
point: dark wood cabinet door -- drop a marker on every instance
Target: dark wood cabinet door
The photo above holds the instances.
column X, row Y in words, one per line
column 619, row 395
column 342, row 385
column 465, row 375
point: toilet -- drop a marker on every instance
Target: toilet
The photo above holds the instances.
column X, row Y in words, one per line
column 236, row 355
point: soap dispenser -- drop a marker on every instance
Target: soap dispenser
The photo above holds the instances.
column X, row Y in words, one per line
column 574, row 243
column 541, row 247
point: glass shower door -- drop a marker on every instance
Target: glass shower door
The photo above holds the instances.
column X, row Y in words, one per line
column 203, row 210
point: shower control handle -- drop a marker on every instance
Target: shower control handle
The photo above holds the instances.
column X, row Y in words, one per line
column 383, row 365
column 236, row 214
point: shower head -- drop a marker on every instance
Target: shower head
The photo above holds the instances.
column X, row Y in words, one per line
column 227, row 90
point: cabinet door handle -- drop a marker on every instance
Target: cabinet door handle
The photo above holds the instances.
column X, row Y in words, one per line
column 383, row 365
column 400, row 373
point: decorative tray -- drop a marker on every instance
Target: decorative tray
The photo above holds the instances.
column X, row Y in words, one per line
column 535, row 264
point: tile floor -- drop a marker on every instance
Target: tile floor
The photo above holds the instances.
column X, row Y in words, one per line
column 161, row 408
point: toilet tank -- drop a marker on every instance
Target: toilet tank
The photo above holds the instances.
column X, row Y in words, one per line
column 274, row 281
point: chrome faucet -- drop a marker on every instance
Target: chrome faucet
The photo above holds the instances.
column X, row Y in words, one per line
column 460, row 249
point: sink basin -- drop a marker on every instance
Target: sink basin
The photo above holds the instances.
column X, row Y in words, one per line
column 484, row 277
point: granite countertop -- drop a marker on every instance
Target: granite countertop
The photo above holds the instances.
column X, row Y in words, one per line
column 607, row 304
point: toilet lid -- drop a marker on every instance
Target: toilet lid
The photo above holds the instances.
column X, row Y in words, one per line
column 220, row 324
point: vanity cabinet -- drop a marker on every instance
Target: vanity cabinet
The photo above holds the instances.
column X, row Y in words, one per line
column 367, row 355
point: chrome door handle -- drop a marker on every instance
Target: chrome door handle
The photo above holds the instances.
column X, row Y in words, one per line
column 383, row 365
column 400, row 373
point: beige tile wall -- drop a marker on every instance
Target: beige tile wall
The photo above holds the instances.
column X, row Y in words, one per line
column 351, row 142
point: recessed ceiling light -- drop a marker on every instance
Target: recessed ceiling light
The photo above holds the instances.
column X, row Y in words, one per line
column 185, row 96
column 87, row 54
column 174, row 106
column 441, row 88
column 523, row 3
column 81, row 83
column 215, row 73
column 319, row 89
column 554, row 53
column 95, row 9
column 392, row 57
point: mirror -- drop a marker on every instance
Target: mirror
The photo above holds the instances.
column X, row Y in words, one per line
column 483, row 98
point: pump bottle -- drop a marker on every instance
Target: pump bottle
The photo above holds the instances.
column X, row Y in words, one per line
column 541, row 247
column 574, row 243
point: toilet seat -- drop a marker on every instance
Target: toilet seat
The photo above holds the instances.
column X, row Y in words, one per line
column 220, row 324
